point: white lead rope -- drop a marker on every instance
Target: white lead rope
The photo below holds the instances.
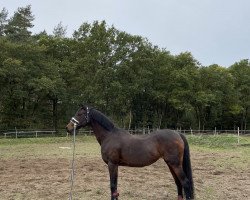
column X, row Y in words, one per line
column 73, row 164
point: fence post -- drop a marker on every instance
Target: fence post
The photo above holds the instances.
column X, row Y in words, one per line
column 16, row 132
column 36, row 134
column 238, row 135
column 148, row 130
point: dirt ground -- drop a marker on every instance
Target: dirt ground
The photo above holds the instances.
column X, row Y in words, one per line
column 48, row 178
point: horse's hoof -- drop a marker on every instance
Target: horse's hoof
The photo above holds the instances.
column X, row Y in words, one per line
column 180, row 198
column 115, row 195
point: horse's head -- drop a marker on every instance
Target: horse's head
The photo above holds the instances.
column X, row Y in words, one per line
column 81, row 119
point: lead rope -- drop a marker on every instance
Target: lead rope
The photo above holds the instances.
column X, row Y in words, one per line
column 72, row 164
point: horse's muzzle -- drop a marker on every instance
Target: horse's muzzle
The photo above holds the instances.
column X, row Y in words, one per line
column 70, row 131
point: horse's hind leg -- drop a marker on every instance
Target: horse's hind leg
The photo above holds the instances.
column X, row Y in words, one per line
column 183, row 179
column 178, row 184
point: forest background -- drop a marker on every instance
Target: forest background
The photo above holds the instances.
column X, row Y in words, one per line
column 44, row 77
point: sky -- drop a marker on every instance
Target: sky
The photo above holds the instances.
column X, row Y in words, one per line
column 214, row 31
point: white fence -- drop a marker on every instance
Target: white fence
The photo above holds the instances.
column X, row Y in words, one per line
column 143, row 131
column 29, row 133
column 214, row 132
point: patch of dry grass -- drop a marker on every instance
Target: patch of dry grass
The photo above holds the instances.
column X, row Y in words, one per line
column 40, row 169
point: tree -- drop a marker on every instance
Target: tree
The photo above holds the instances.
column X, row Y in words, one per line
column 3, row 21
column 44, row 77
column 213, row 97
column 57, row 74
column 20, row 65
column 183, row 80
column 99, row 55
column 241, row 74
column 17, row 28
column 60, row 31
column 12, row 74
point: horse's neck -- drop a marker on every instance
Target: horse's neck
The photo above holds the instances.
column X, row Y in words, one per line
column 100, row 132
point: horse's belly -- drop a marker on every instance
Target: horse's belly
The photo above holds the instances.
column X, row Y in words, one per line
column 137, row 164
column 138, row 157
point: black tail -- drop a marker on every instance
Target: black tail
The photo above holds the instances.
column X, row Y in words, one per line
column 186, row 165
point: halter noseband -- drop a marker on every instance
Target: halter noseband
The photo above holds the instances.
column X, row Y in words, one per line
column 74, row 121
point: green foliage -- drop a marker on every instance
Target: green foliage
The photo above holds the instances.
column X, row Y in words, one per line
column 44, row 77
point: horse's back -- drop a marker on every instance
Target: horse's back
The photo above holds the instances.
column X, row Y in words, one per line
column 160, row 137
column 167, row 135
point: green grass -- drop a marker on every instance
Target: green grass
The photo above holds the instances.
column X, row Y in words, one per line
column 218, row 141
column 207, row 141
column 48, row 147
column 88, row 146
column 44, row 140
column 232, row 154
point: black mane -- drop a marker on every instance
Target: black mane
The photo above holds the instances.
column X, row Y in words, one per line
column 102, row 119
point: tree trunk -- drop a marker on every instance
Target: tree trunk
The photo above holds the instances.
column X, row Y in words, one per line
column 55, row 114
column 130, row 119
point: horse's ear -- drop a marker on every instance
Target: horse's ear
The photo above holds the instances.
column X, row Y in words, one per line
column 85, row 106
column 81, row 105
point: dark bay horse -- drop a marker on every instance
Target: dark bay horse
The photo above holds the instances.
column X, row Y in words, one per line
column 119, row 148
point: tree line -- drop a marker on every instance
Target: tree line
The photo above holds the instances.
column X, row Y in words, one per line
column 44, row 77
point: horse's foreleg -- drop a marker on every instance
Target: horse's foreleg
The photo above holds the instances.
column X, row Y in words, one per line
column 113, row 173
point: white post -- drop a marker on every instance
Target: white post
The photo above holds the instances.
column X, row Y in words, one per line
column 16, row 132
column 215, row 133
column 238, row 135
